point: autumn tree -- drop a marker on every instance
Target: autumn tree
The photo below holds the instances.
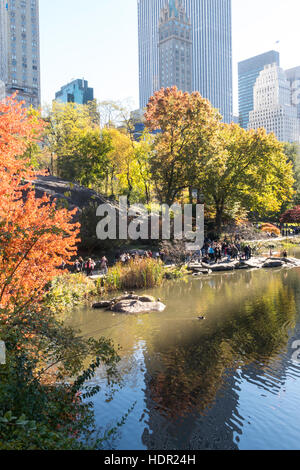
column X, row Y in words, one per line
column 35, row 237
column 248, row 168
column 188, row 128
column 291, row 216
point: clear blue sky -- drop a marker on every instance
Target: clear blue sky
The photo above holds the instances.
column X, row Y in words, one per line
column 97, row 40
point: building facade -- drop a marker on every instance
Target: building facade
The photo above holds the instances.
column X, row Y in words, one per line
column 273, row 108
column 3, row 40
column 293, row 76
column 249, row 71
column 211, row 23
column 76, row 91
column 2, row 90
column 175, row 47
column 20, row 49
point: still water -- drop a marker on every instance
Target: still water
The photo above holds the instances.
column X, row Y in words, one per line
column 231, row 381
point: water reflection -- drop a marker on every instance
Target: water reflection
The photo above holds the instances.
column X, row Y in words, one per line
column 200, row 383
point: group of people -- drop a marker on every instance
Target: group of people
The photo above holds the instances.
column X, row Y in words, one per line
column 126, row 257
column 89, row 266
column 217, row 251
column 212, row 252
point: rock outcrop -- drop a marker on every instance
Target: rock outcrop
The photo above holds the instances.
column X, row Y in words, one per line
column 131, row 304
column 68, row 194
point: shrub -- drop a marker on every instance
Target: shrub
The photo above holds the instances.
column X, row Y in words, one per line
column 69, row 290
column 269, row 228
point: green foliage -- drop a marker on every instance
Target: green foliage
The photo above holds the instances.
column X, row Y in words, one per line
column 292, row 152
column 74, row 136
column 249, row 168
column 177, row 272
column 68, row 290
column 43, row 390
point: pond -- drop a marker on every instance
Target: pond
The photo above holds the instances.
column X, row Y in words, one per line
column 231, row 381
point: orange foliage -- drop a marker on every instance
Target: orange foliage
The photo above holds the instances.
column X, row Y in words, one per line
column 269, row 228
column 34, row 236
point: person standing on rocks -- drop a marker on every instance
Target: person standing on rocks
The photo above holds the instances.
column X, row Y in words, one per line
column 90, row 266
column 211, row 253
column 81, row 261
column 77, row 266
column 218, row 254
column 104, row 265
column 248, row 252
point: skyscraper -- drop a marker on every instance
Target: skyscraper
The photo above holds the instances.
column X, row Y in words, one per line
column 3, row 40
column 273, row 109
column 249, row 71
column 293, row 76
column 211, row 22
column 175, row 47
column 20, row 49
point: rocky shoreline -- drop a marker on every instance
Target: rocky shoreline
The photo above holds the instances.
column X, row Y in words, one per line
column 200, row 269
column 135, row 304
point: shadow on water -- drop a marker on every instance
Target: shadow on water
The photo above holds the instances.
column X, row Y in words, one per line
column 221, row 383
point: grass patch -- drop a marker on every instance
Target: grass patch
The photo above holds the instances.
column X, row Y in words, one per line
column 137, row 274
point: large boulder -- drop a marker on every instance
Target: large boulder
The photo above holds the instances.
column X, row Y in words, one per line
column 256, row 262
column 136, row 306
column 222, row 267
column 131, row 303
column 273, row 264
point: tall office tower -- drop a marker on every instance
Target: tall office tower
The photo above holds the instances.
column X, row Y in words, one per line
column 293, row 76
column 249, row 71
column 273, row 109
column 3, row 40
column 175, row 47
column 19, row 23
column 2, row 90
column 211, row 22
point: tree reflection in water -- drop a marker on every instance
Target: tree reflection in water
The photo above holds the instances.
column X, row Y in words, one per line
column 192, row 366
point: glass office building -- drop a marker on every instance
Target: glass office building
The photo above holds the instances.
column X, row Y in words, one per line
column 293, row 76
column 76, row 91
column 249, row 71
column 211, row 22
